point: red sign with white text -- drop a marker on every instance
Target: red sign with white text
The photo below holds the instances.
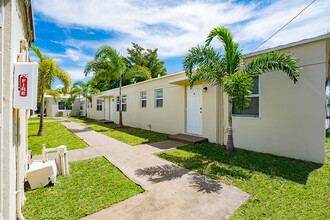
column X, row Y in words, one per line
column 23, row 86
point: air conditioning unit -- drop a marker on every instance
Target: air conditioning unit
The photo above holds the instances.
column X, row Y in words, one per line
column 42, row 172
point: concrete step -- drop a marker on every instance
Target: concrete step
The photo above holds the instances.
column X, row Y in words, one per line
column 187, row 138
column 103, row 121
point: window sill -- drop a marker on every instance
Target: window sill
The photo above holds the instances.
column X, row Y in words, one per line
column 246, row 117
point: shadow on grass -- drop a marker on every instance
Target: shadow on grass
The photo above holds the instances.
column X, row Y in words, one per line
column 242, row 163
column 150, row 136
column 157, row 174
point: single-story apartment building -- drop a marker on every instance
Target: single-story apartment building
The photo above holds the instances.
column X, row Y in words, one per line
column 58, row 107
column 283, row 118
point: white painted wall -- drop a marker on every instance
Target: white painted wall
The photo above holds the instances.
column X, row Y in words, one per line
column 291, row 119
column 13, row 131
column 292, row 116
column 53, row 111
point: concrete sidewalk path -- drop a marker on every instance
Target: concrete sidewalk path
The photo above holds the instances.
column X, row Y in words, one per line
column 172, row 192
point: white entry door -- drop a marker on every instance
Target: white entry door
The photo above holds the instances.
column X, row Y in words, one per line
column 106, row 109
column 194, row 109
column 111, row 109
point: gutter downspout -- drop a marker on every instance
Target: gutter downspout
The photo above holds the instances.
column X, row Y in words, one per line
column 19, row 169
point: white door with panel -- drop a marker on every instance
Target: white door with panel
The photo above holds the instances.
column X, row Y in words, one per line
column 106, row 108
column 111, row 109
column 195, row 110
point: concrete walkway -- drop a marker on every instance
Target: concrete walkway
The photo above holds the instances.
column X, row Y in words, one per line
column 172, row 192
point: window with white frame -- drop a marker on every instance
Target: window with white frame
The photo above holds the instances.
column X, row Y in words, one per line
column 143, row 100
column 61, row 105
column 81, row 106
column 253, row 109
column 98, row 105
column 159, row 98
column 123, row 103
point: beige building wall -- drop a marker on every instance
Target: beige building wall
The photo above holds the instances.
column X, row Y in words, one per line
column 291, row 121
column 16, row 34
column 171, row 118
column 53, row 111
column 291, row 116
column 92, row 111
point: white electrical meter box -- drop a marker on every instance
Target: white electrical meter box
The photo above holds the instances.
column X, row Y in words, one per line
column 25, row 85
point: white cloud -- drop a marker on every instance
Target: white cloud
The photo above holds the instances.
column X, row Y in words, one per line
column 176, row 26
column 59, row 86
column 76, row 74
column 312, row 22
column 173, row 27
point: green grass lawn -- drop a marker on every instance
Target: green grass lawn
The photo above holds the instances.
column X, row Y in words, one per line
column 55, row 134
column 128, row 135
column 81, row 120
column 38, row 119
column 280, row 188
column 81, row 193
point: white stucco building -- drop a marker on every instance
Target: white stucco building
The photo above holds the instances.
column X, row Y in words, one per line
column 283, row 118
column 16, row 36
column 58, row 107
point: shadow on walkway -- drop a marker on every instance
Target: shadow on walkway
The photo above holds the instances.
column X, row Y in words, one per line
column 171, row 172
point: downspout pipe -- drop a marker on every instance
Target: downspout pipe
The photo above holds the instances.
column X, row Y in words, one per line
column 19, row 169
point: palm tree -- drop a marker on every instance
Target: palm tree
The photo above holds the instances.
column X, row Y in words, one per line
column 75, row 92
column 109, row 64
column 48, row 72
column 87, row 91
column 230, row 71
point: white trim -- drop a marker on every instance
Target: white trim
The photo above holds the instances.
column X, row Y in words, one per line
column 141, row 99
column 156, row 90
column 98, row 104
column 117, row 103
column 65, row 107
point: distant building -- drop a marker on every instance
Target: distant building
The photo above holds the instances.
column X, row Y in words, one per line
column 59, row 107
column 17, row 34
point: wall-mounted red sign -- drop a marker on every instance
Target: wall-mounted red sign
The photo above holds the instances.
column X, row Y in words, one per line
column 22, row 86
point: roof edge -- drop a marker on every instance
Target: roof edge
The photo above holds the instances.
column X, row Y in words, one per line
column 292, row 44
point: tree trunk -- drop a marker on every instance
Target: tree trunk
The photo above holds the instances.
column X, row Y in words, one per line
column 79, row 108
column 42, row 110
column 86, row 108
column 230, row 141
column 120, row 109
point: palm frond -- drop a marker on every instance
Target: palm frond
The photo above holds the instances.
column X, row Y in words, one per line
column 37, row 52
column 55, row 93
column 65, row 78
column 233, row 55
column 112, row 55
column 272, row 62
column 208, row 64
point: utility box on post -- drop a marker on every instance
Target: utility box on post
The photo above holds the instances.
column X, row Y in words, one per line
column 25, row 85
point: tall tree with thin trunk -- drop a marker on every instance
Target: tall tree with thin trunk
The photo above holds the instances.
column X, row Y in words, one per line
column 48, row 71
column 108, row 64
column 231, row 72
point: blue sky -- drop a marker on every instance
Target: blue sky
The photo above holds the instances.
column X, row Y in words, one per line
column 70, row 31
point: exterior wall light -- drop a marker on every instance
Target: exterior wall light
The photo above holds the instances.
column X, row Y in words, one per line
column 205, row 89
